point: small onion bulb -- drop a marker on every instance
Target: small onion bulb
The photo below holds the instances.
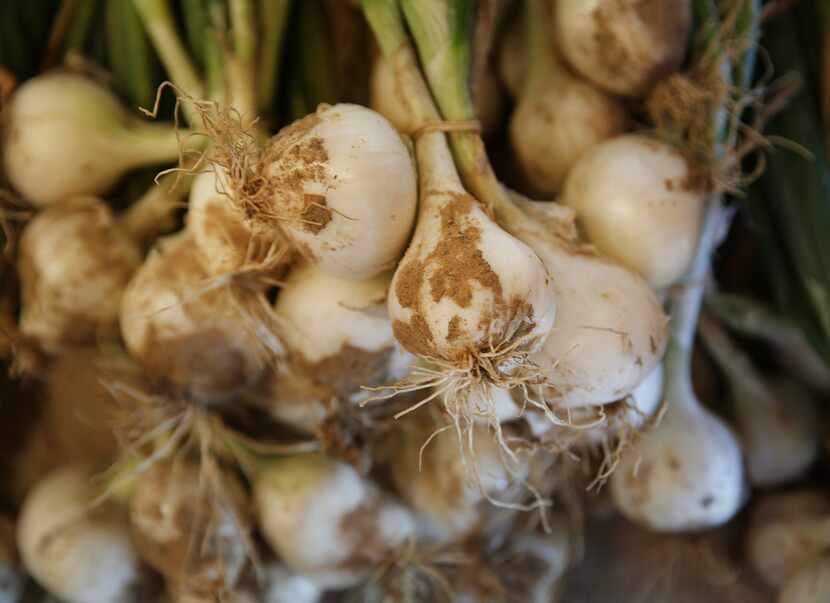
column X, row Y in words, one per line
column 75, row 262
column 186, row 532
column 610, row 330
column 79, row 555
column 205, row 342
column 338, row 333
column 227, row 240
column 787, row 530
column 633, row 199
column 623, row 46
column 326, row 521
column 687, row 474
column 466, row 289
column 66, row 135
column 343, row 190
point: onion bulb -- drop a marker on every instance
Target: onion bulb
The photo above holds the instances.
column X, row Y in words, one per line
column 610, row 330
column 187, row 532
column 340, row 183
column 558, row 116
column 788, row 530
column 467, row 294
column 810, row 584
column 74, row 264
column 634, row 199
column 230, row 243
column 79, row 554
column 686, row 474
column 338, row 333
column 444, row 487
column 66, row 135
column 204, row 341
column 778, row 420
column 325, row 520
column 623, row 46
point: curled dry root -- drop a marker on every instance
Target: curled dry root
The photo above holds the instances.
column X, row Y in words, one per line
column 238, row 160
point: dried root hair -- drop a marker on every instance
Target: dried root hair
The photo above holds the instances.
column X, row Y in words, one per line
column 235, row 149
column 688, row 108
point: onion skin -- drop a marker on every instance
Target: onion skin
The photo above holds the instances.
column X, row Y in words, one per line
column 623, row 46
column 75, row 262
column 633, row 199
column 809, row 585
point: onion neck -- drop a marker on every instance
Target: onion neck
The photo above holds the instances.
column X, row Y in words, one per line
column 686, row 299
column 148, row 144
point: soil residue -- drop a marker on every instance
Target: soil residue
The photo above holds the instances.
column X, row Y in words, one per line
column 457, row 262
column 316, row 214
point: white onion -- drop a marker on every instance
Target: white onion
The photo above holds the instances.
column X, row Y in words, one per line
column 79, row 555
column 686, row 473
column 206, row 342
column 610, row 330
column 466, row 291
column 228, row 241
column 338, row 331
column 75, row 262
column 68, row 136
column 326, row 521
column 623, row 46
column 634, row 199
column 342, row 188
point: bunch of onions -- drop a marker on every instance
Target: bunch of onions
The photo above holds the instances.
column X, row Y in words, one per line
column 193, row 536
column 204, row 341
column 66, row 135
column 778, row 420
column 558, row 117
column 636, row 200
column 316, row 183
column 74, row 263
column 79, row 553
column 626, row 46
column 444, row 487
column 325, row 520
column 788, row 531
